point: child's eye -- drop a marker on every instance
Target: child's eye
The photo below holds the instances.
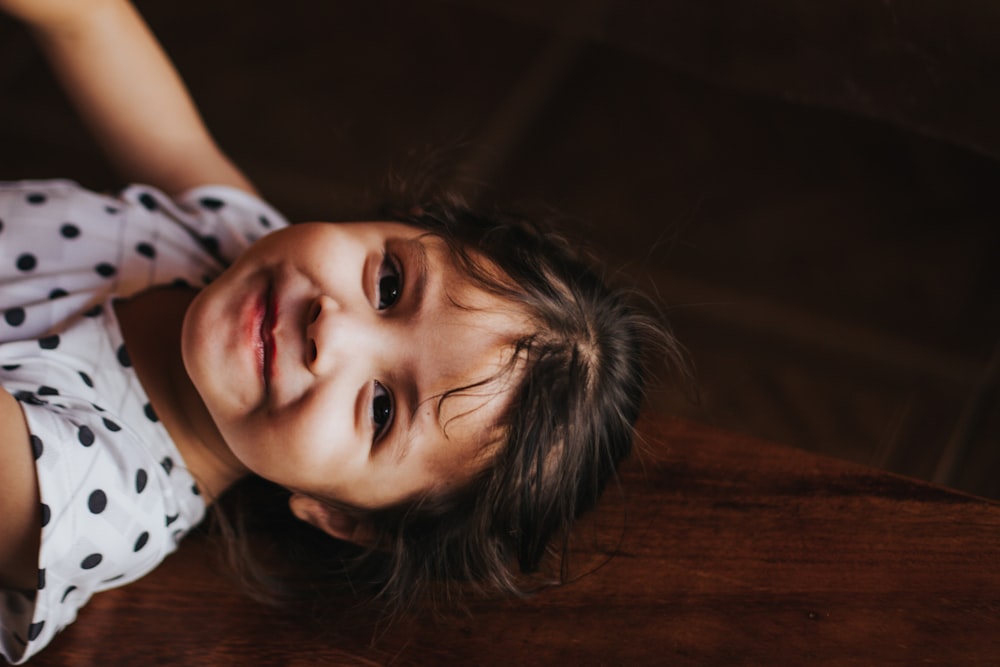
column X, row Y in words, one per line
column 381, row 410
column 390, row 283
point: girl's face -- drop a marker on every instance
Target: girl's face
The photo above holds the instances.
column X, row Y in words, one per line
column 321, row 352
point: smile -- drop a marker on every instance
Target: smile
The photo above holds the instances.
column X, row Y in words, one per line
column 267, row 342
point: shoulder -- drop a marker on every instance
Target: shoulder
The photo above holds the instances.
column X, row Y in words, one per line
column 224, row 219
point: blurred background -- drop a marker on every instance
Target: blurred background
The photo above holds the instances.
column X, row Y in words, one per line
column 811, row 189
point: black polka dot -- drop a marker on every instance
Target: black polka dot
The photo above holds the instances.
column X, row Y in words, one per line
column 36, row 198
column 264, row 222
column 67, row 592
column 211, row 244
column 10, row 367
column 41, row 579
column 123, row 357
column 111, row 426
column 94, row 311
column 46, row 390
column 141, row 478
column 34, row 630
column 14, row 317
column 86, row 379
column 170, row 518
column 97, row 407
column 29, row 398
column 150, row 413
column 58, row 293
column 195, row 490
column 211, row 203
column 179, row 283
column 36, row 446
column 91, row 561
column 141, row 542
column 69, row 231
column 111, row 210
column 1, row 225
column 114, row 578
column 146, row 250
column 105, row 270
column 26, row 262
column 97, row 501
column 85, row 436
column 148, row 201
column 46, row 515
column 167, row 463
column 49, row 342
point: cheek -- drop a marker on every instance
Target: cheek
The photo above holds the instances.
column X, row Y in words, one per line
column 262, row 446
column 312, row 439
column 322, row 427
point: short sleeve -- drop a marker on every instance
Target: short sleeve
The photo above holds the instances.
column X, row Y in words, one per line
column 225, row 220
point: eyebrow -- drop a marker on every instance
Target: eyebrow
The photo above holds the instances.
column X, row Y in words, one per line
column 418, row 256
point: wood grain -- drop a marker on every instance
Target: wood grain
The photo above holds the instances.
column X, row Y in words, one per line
column 727, row 550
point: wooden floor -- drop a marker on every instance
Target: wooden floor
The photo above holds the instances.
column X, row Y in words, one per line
column 825, row 241
column 728, row 551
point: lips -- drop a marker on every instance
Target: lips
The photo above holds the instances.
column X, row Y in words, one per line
column 267, row 342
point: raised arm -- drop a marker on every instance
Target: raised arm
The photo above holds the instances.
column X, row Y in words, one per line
column 128, row 92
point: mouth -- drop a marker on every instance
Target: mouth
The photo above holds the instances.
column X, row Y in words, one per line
column 267, row 349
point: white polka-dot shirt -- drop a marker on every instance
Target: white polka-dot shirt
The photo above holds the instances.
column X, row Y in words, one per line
column 116, row 497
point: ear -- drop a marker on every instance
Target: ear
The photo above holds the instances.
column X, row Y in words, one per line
column 332, row 521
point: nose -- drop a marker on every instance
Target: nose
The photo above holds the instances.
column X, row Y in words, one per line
column 335, row 334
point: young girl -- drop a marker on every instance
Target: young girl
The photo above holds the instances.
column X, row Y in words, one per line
column 448, row 391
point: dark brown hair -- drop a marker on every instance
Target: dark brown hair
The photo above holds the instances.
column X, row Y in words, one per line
column 577, row 391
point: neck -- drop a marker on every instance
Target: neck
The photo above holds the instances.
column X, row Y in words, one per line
column 151, row 326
